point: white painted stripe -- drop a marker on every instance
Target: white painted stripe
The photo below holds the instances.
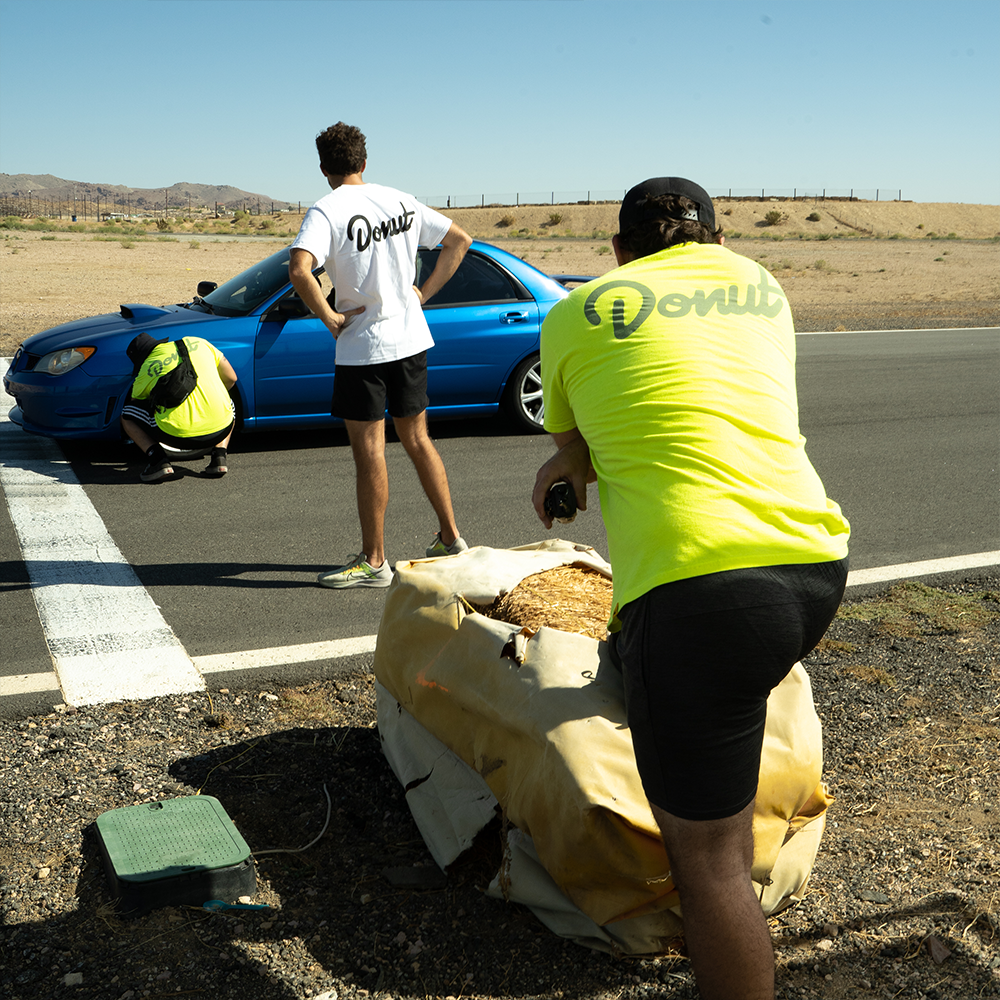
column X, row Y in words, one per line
column 943, row 329
column 107, row 639
column 902, row 571
column 28, row 683
column 278, row 656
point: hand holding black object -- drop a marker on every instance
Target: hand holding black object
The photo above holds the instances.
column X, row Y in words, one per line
column 560, row 502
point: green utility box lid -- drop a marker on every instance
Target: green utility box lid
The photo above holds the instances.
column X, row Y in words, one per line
column 159, row 839
column 173, row 852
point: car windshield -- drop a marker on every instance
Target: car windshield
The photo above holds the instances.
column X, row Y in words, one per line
column 242, row 294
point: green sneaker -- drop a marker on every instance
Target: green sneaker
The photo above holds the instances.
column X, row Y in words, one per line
column 440, row 549
column 357, row 572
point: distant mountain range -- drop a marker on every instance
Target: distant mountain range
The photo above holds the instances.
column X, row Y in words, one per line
column 180, row 195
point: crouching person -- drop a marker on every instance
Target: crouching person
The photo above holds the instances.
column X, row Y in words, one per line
column 179, row 397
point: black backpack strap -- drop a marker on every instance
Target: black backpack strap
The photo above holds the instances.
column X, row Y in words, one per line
column 173, row 388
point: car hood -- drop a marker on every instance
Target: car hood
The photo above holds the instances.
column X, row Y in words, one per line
column 112, row 333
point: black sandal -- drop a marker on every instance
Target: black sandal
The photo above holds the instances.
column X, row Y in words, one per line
column 217, row 464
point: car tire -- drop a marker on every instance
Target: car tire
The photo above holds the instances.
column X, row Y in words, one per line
column 522, row 399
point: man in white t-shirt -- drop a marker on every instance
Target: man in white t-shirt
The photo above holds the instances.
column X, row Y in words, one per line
column 366, row 236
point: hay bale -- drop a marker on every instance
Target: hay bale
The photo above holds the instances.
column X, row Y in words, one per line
column 570, row 598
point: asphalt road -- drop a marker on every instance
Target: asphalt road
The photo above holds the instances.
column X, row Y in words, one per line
column 902, row 426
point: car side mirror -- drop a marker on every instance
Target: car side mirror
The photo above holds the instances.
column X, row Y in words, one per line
column 205, row 287
column 288, row 308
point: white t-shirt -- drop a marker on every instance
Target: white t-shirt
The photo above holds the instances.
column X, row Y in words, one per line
column 366, row 236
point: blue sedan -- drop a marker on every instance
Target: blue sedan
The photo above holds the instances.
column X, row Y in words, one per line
column 70, row 382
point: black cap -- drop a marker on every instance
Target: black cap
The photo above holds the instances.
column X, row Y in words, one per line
column 140, row 349
column 636, row 208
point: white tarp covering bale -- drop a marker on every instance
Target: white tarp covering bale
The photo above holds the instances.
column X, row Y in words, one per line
column 474, row 712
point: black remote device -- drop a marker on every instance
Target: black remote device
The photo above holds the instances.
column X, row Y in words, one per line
column 560, row 502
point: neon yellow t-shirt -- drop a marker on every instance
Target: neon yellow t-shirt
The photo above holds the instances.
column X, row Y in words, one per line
column 207, row 409
column 679, row 371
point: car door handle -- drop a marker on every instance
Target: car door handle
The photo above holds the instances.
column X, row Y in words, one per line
column 513, row 317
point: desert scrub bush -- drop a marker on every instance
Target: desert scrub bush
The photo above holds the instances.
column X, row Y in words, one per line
column 813, row 217
column 48, row 237
column 194, row 244
column 506, row 220
column 555, row 218
column 126, row 244
column 773, row 217
column 12, row 222
column 163, row 225
column 824, row 236
column 602, row 250
column 821, row 265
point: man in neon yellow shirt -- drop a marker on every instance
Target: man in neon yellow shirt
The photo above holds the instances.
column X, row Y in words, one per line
column 155, row 414
column 671, row 381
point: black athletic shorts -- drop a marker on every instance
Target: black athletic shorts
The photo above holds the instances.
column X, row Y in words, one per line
column 365, row 392
column 143, row 412
column 699, row 658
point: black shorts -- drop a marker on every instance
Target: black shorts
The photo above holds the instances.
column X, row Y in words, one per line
column 699, row 658
column 365, row 392
column 143, row 412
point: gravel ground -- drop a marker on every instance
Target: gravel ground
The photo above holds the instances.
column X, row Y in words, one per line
column 903, row 902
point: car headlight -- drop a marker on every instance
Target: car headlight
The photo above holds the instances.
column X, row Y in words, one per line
column 60, row 362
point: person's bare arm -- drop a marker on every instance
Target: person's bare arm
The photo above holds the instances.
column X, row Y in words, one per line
column 570, row 464
column 453, row 248
column 227, row 373
column 300, row 270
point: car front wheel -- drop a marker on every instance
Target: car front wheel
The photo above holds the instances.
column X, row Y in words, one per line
column 523, row 395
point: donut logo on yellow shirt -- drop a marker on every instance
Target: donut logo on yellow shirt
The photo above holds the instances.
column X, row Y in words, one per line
column 763, row 299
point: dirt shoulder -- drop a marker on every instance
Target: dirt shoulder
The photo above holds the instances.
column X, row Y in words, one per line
column 902, row 901
column 836, row 275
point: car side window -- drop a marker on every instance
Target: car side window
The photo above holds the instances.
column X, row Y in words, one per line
column 476, row 281
column 290, row 306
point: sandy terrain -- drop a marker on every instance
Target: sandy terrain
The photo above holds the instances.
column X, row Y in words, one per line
column 859, row 282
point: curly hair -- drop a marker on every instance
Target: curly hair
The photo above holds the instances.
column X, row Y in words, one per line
column 342, row 149
column 668, row 229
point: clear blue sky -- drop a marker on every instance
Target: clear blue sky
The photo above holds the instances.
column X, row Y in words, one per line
column 464, row 97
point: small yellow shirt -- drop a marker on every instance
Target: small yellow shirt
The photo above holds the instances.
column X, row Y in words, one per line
column 679, row 371
column 208, row 409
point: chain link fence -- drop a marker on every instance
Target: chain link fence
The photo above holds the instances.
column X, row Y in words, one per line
column 113, row 209
column 33, row 206
column 518, row 198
